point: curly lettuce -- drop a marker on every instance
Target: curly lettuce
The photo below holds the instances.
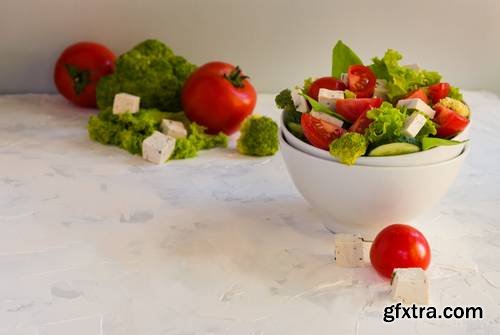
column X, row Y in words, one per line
column 401, row 80
column 388, row 122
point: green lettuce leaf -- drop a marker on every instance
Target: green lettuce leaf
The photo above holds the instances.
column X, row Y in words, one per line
column 342, row 58
column 401, row 80
column 455, row 93
column 388, row 121
column 432, row 142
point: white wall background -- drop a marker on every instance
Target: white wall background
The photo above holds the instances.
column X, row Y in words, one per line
column 277, row 42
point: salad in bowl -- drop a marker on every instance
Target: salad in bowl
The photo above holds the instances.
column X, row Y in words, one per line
column 375, row 110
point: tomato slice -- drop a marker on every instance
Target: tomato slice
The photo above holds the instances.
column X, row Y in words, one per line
column 330, row 83
column 450, row 122
column 319, row 132
column 361, row 81
column 361, row 123
column 439, row 91
column 351, row 109
column 419, row 94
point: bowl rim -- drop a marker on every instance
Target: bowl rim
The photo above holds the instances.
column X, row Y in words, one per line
column 461, row 156
column 312, row 147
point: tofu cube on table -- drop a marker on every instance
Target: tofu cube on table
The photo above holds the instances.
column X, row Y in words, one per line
column 419, row 105
column 172, row 128
column 410, row 286
column 413, row 124
column 329, row 97
column 158, row 147
column 327, row 118
column 299, row 101
column 349, row 250
column 126, row 103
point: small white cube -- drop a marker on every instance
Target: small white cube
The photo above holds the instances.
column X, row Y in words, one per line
column 419, row 105
column 173, row 128
column 299, row 101
column 410, row 286
column 349, row 250
column 126, row 103
column 344, row 77
column 380, row 89
column 327, row 118
column 329, row 97
column 413, row 124
column 158, row 147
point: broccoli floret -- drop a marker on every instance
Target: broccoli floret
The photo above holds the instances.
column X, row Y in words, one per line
column 349, row 147
column 259, row 136
column 291, row 117
column 197, row 140
column 150, row 70
column 456, row 105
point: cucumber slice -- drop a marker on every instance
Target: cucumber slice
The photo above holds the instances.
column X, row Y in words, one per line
column 393, row 149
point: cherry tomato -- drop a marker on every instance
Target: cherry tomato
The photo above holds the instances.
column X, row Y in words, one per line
column 399, row 246
column 439, row 91
column 78, row 70
column 319, row 132
column 219, row 97
column 361, row 81
column 419, row 94
column 361, row 123
column 449, row 122
column 325, row 82
column 351, row 109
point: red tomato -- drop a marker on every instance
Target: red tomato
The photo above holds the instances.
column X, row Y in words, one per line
column 219, row 97
column 325, row 82
column 361, row 81
column 361, row 123
column 450, row 122
column 439, row 91
column 319, row 132
column 351, row 109
column 420, row 94
column 399, row 246
column 78, row 70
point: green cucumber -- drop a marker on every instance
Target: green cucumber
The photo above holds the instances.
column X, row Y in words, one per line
column 393, row 149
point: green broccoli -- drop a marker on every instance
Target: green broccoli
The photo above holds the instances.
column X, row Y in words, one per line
column 291, row 117
column 259, row 136
column 197, row 140
column 349, row 147
column 128, row 131
column 150, row 70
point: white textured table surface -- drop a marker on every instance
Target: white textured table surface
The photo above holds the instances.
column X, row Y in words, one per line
column 96, row 241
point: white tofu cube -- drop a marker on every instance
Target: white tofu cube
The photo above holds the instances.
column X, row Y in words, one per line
column 327, row 118
column 344, row 77
column 172, row 128
column 299, row 101
column 380, row 89
column 329, row 97
column 410, row 286
column 419, row 105
column 126, row 103
column 349, row 250
column 158, row 147
column 413, row 124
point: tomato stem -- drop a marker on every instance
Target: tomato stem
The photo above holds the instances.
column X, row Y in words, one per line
column 81, row 78
column 236, row 77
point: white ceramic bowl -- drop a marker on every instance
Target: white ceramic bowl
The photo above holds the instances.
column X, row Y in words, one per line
column 431, row 156
column 364, row 199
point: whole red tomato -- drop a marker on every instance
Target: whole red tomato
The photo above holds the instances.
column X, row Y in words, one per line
column 78, row 70
column 219, row 97
column 399, row 246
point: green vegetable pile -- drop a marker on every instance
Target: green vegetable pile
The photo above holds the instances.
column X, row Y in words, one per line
column 259, row 136
column 151, row 71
